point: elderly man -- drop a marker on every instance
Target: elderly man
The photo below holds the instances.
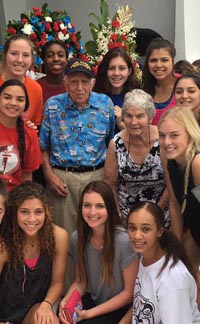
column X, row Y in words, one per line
column 76, row 129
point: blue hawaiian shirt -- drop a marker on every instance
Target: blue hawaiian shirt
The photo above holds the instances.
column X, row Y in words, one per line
column 77, row 137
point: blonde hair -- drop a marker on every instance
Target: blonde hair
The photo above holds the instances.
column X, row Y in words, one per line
column 184, row 117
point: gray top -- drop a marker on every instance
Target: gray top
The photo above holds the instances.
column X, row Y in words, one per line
column 124, row 255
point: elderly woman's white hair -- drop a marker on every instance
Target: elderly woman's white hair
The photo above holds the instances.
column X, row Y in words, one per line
column 138, row 98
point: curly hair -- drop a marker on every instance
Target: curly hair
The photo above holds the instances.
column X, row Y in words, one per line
column 102, row 84
column 53, row 42
column 85, row 232
column 3, row 192
column 149, row 81
column 11, row 233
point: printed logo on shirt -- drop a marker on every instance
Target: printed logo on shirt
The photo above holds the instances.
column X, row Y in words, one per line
column 143, row 310
column 9, row 159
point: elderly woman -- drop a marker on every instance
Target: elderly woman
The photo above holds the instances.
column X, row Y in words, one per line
column 133, row 167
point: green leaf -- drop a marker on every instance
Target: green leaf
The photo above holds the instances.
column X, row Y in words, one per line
column 91, row 48
column 23, row 15
column 93, row 30
column 44, row 7
column 96, row 17
column 104, row 11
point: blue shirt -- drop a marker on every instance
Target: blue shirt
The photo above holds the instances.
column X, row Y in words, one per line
column 76, row 137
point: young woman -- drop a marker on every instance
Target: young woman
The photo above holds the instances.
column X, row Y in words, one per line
column 17, row 60
column 54, row 55
column 104, row 262
column 179, row 139
column 165, row 290
column 20, row 152
column 159, row 76
column 116, row 76
column 187, row 93
column 33, row 258
column 133, row 166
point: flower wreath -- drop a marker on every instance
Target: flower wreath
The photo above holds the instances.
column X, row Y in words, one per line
column 118, row 32
column 44, row 25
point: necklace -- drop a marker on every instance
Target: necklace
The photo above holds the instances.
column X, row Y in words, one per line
column 139, row 163
column 97, row 243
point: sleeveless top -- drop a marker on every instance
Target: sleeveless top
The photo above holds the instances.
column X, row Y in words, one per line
column 139, row 184
column 21, row 289
column 191, row 214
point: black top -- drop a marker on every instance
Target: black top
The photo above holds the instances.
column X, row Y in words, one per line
column 191, row 213
column 21, row 289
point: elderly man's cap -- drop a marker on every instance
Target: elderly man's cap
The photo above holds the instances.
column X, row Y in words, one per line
column 76, row 65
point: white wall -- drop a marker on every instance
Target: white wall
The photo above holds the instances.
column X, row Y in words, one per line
column 187, row 40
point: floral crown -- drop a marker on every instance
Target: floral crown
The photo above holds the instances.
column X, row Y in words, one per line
column 118, row 32
column 44, row 25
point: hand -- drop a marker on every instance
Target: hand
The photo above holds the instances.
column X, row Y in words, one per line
column 118, row 112
column 82, row 314
column 57, row 185
column 44, row 314
column 60, row 315
column 31, row 125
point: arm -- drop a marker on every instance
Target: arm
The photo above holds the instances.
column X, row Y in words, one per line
column 52, row 179
column 111, row 167
column 3, row 257
column 127, row 318
column 77, row 284
column 27, row 176
column 111, row 171
column 174, row 208
column 118, row 115
column 122, row 299
column 195, row 170
column 58, row 275
column 164, row 199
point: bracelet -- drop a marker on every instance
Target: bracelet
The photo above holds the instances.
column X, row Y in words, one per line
column 47, row 301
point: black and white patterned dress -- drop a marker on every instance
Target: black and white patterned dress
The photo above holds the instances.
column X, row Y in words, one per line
column 139, row 184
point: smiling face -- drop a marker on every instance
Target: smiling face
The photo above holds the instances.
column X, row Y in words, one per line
column 55, row 59
column 187, row 94
column 79, row 85
column 12, row 104
column 160, row 64
column 31, row 216
column 173, row 140
column 94, row 211
column 136, row 121
column 118, row 73
column 144, row 233
column 18, row 59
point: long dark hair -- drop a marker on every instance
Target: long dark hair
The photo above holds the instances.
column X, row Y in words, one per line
column 20, row 122
column 193, row 76
column 169, row 243
column 12, row 235
column 85, row 232
column 149, row 82
column 102, row 84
